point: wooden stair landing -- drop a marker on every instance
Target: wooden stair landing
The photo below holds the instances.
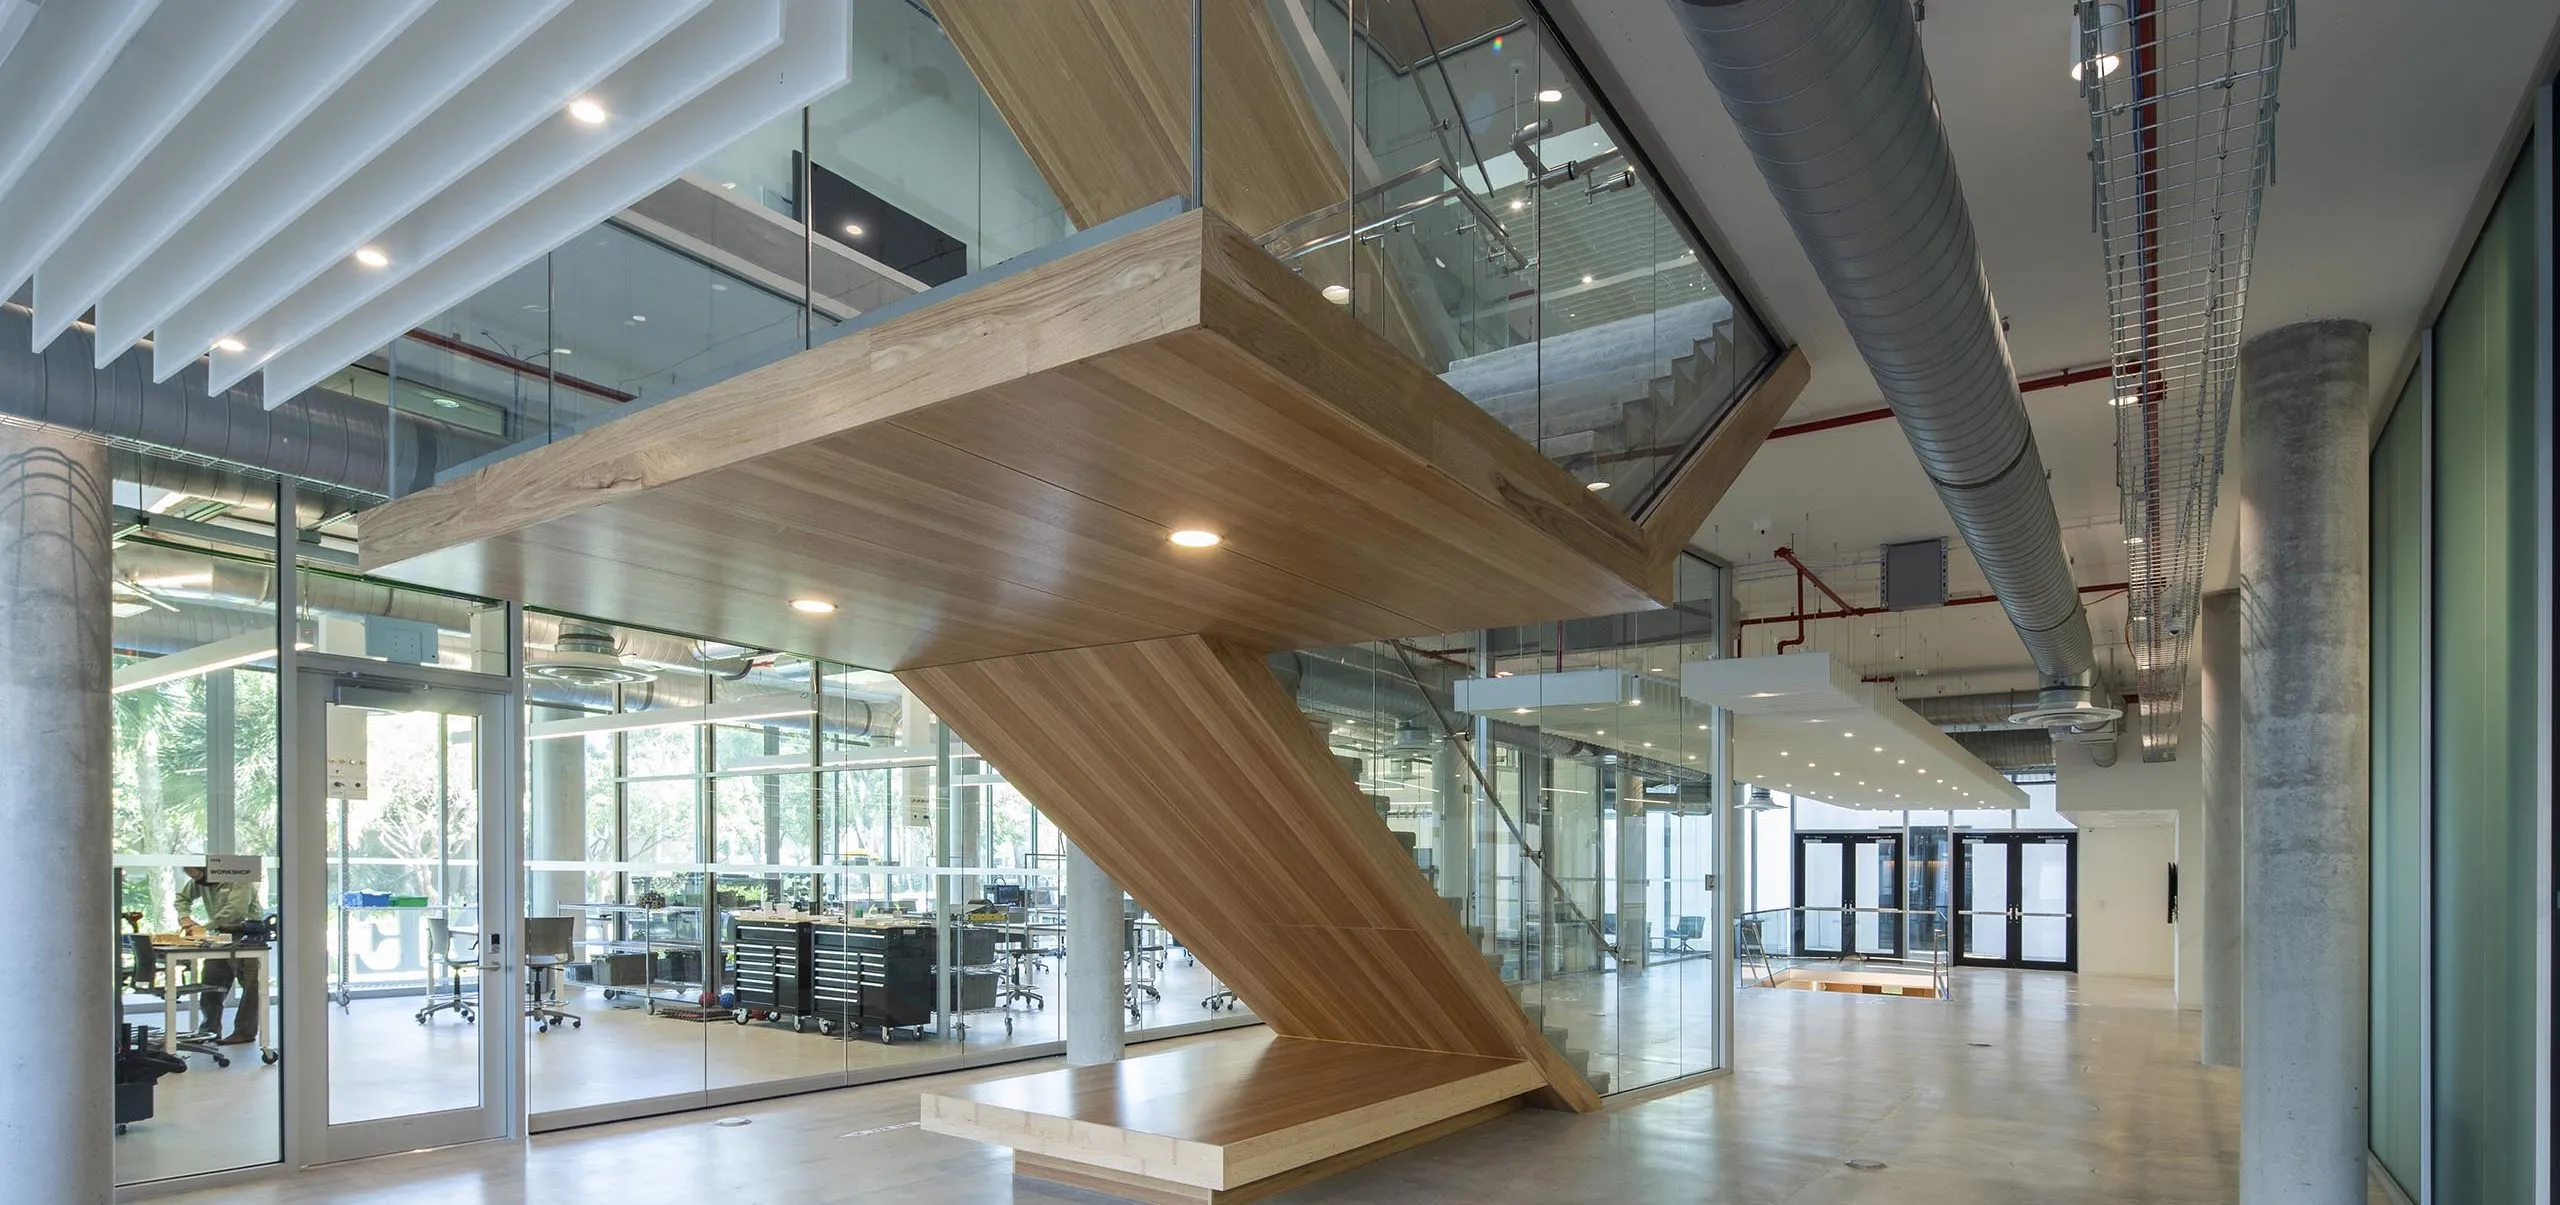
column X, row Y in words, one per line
column 1231, row 1120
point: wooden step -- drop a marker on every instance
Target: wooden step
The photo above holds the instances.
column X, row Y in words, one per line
column 1227, row 1121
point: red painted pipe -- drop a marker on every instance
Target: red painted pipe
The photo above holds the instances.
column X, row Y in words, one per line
column 2043, row 381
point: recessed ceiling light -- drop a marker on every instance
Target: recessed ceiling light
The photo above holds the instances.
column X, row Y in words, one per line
column 1519, row 711
column 586, row 109
column 1193, row 537
column 2133, row 539
column 1702, row 727
column 1879, row 749
column 1648, row 744
column 731, row 185
column 1597, row 486
column 1900, row 761
column 1517, row 204
column 372, row 257
column 639, row 317
column 1549, row 96
column 1338, row 294
column 1599, row 732
column 1848, row 734
column 446, row 403
column 562, row 351
column 1586, row 278
column 853, row 229
column 813, row 606
column 229, row 345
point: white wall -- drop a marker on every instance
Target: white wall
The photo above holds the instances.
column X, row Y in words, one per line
column 2124, row 900
column 2176, row 787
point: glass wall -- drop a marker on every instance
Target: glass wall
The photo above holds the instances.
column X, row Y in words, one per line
column 2399, row 785
column 2489, row 639
column 1558, row 791
column 195, row 775
column 738, row 840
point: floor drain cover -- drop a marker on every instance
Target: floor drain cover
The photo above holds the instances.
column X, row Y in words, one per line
column 1864, row 1165
column 734, row 1121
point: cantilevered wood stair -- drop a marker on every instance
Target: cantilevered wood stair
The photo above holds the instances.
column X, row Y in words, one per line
column 984, row 487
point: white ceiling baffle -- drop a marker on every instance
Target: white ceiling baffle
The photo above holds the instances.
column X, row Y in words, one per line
column 285, row 185
column 1806, row 724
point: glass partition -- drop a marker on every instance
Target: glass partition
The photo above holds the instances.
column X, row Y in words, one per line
column 195, row 745
column 1558, row 791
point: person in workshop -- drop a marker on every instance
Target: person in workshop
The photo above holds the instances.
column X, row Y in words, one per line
column 226, row 907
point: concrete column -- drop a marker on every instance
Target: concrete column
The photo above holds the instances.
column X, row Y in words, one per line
column 556, row 818
column 56, row 783
column 2304, row 670
column 1096, row 944
column 2224, row 752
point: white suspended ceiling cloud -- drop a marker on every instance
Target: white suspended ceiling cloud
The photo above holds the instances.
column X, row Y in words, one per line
column 286, row 185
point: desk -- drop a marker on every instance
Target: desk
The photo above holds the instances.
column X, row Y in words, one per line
column 171, row 957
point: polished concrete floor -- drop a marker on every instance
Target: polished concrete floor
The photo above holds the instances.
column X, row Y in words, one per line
column 2027, row 1087
column 383, row 1063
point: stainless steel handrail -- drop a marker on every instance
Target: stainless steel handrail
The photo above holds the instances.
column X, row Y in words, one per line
column 1940, row 954
column 1456, row 189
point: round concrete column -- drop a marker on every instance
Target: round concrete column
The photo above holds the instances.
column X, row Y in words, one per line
column 56, row 779
column 1097, row 943
column 2225, row 763
column 2304, row 670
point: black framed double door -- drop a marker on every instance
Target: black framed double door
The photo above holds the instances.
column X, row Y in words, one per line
column 2017, row 900
column 1848, row 891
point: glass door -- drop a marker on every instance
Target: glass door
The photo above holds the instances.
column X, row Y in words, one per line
column 400, row 871
column 1848, row 888
column 2016, row 900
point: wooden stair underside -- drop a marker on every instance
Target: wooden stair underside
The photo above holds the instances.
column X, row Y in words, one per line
column 997, row 474
column 1182, row 768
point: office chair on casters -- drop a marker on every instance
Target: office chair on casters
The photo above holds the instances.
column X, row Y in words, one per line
column 546, row 951
column 441, row 955
column 147, row 976
column 1690, row 928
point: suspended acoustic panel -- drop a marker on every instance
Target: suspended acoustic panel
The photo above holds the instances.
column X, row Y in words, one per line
column 286, row 185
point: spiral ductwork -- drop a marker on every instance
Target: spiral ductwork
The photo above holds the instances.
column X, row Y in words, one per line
column 1834, row 101
column 321, row 438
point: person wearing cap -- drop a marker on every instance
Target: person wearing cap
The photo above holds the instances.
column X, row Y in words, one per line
column 226, row 907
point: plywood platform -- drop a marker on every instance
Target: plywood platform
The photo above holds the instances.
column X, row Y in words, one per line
column 1228, row 1121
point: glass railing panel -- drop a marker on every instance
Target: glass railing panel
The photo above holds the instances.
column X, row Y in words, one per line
column 1564, row 297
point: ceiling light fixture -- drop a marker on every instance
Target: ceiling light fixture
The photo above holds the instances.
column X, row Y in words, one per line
column 2107, row 54
column 587, row 110
column 2133, row 540
column 1549, row 96
column 562, row 351
column 853, row 229
column 1193, row 537
column 1597, row 486
column 372, row 257
column 639, row 317
column 1519, row 711
column 446, row 403
column 1517, row 204
column 1338, row 294
column 1586, row 278
column 229, row 345
column 813, row 606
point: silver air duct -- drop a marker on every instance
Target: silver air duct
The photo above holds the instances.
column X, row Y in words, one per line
column 321, row 438
column 1834, row 101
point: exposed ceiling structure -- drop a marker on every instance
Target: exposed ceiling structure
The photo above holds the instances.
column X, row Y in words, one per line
column 2390, row 130
column 286, row 185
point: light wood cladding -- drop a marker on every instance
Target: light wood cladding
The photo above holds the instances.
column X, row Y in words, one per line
column 1099, row 94
column 1184, row 770
column 1226, row 1115
column 997, row 474
column 1677, row 512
